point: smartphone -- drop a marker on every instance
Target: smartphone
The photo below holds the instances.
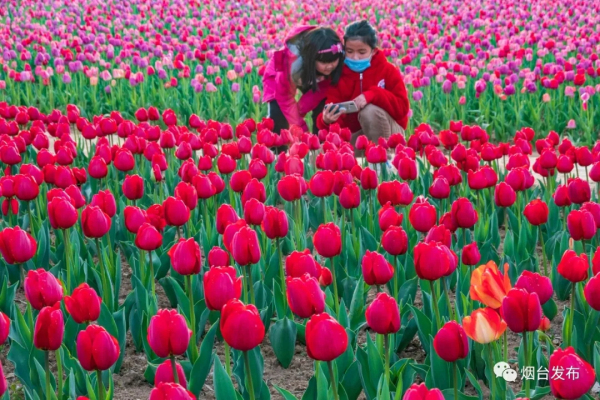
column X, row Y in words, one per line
column 347, row 107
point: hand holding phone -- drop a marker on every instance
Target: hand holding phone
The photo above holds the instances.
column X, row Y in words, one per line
column 331, row 113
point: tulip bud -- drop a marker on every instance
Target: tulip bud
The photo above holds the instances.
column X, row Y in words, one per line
column 164, row 373
column 84, row 304
column 451, row 342
column 464, row 213
column 49, row 328
column 536, row 212
column 522, row 310
column 42, row 289
column 16, row 245
column 185, row 257
column 4, row 327
column 328, row 240
column 217, row 257
column 470, row 254
column 97, row 349
column 420, row 392
column 571, row 386
column 275, row 223
column 433, row 260
column 394, row 240
column 133, row 187
column 376, row 269
column 304, row 296
column 245, row 248
column 422, row 215
column 326, row 339
column 484, row 325
column 533, row 282
column 383, row 314
column 148, row 238
column 220, row 286
column 170, row 391
column 241, row 325
column 168, row 333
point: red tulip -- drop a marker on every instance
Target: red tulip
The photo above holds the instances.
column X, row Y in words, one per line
column 304, row 296
column 148, row 237
column 168, row 333
column 164, row 373
column 231, row 231
column 84, row 304
column 368, row 179
column 62, row 213
column 299, row 263
column 376, row 269
column 451, row 342
column 581, row 225
column 326, row 339
column 572, row 267
column 241, row 325
column 579, row 190
column 433, row 260
column 226, row 164
column 217, row 257
column 389, row 217
column 185, row 257
column 464, row 213
column 420, row 392
column 42, row 289
column 170, row 391
column 470, row 254
column 225, row 215
column 394, row 240
column 97, row 349
column 239, row 180
column 394, row 192
column 204, row 186
column 124, row 160
column 49, row 328
column 578, row 376
column 522, row 310
column 245, row 247
column 275, row 223
column 440, row 188
column 591, row 292
column 97, row 168
column 504, row 195
column 187, row 193
column 254, row 189
column 25, row 187
column 383, row 314
column 291, row 187
column 176, row 212
column 254, row 212
column 536, row 212
column 16, row 245
column 533, row 282
column 105, row 200
column 156, row 216
column 422, row 215
column 134, row 218
column 328, row 240
column 561, row 196
column 133, row 187
column 4, row 327
column 220, row 286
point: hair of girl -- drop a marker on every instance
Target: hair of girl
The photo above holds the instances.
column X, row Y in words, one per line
column 363, row 31
column 312, row 43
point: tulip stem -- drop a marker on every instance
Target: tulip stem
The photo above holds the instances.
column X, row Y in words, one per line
column 47, row 367
column 174, row 368
column 543, row 250
column 59, row 375
column 205, row 220
column 67, row 263
column 505, row 346
column 526, row 360
column 455, row 373
column 194, row 348
column 447, row 292
column 251, row 284
column 336, row 301
column 435, row 305
column 105, row 288
column 281, row 276
column 227, row 362
column 101, row 395
column 571, row 315
column 396, row 278
column 333, row 382
column 142, row 269
column 249, row 383
column 491, row 364
column 152, row 284
column 324, row 210
column 386, row 349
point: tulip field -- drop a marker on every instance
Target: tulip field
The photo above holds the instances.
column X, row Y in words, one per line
column 156, row 243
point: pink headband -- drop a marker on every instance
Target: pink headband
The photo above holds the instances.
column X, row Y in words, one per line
column 336, row 48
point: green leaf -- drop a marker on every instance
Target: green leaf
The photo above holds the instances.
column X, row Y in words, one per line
column 474, row 382
column 224, row 389
column 283, row 339
column 204, row 362
column 357, row 306
column 425, row 326
column 286, row 395
column 550, row 309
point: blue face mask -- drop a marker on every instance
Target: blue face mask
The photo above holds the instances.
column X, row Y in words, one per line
column 358, row 65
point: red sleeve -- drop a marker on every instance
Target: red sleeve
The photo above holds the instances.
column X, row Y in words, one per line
column 333, row 96
column 394, row 98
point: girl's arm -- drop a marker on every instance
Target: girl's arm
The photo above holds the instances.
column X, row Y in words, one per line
column 333, row 96
column 393, row 98
column 286, row 98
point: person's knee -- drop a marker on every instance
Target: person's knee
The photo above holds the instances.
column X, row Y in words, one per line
column 370, row 113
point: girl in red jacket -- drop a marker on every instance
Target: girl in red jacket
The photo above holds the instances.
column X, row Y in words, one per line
column 373, row 83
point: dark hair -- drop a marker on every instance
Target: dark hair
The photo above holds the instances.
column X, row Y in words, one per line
column 363, row 31
column 310, row 45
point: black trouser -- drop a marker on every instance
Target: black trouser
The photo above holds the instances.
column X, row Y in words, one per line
column 281, row 122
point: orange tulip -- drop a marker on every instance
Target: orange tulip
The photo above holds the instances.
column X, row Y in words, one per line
column 484, row 325
column 489, row 286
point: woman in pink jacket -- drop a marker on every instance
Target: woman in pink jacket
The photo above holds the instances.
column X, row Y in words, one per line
column 311, row 60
